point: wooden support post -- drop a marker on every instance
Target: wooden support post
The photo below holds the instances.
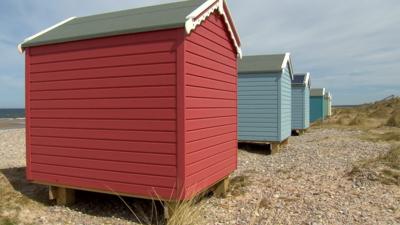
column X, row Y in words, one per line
column 221, row 188
column 275, row 147
column 52, row 192
column 63, row 196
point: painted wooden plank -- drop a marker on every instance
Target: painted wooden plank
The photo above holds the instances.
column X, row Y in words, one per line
column 121, row 103
column 150, row 114
column 147, row 47
column 251, row 112
column 125, row 135
column 211, row 122
column 105, row 165
column 106, row 124
column 117, row 82
column 99, row 154
column 258, row 129
column 201, row 165
column 129, row 60
column 209, row 113
column 195, row 37
column 209, row 142
column 128, row 146
column 211, row 64
column 164, row 91
column 198, row 70
column 205, row 173
column 210, row 83
column 201, row 134
column 106, row 186
column 197, row 156
column 99, row 43
column 96, row 174
column 131, row 70
column 206, row 92
column 206, row 52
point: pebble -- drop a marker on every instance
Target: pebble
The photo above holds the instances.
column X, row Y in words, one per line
column 306, row 183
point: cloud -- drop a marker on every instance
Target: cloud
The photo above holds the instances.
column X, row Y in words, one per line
column 348, row 46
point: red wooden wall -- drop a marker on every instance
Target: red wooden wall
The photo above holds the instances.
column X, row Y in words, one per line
column 144, row 114
column 101, row 114
column 210, row 105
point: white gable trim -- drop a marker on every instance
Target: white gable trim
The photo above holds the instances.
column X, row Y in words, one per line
column 307, row 80
column 21, row 50
column 287, row 61
column 199, row 15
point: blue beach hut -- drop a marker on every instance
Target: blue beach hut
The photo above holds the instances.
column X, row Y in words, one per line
column 301, row 102
column 265, row 98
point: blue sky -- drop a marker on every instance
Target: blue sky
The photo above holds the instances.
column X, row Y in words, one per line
column 350, row 47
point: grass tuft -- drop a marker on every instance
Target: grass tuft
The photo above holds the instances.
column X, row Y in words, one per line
column 8, row 221
column 186, row 213
column 394, row 120
column 385, row 168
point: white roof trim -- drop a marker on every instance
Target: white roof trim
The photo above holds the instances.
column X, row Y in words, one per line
column 287, row 60
column 307, row 80
column 21, row 50
column 202, row 14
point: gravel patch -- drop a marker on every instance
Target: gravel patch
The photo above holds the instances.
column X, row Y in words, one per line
column 12, row 148
column 307, row 183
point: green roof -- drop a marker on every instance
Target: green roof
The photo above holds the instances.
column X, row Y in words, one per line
column 317, row 92
column 262, row 63
column 159, row 17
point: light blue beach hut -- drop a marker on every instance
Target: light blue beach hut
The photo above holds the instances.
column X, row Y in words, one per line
column 301, row 102
column 265, row 99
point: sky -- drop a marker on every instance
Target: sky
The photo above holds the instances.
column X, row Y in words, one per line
column 352, row 48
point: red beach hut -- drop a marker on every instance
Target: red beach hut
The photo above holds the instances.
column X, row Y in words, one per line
column 140, row 102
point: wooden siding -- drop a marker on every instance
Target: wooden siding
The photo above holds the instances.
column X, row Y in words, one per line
column 102, row 114
column 258, row 107
column 307, row 108
column 316, row 108
column 210, row 104
column 300, row 107
column 285, row 101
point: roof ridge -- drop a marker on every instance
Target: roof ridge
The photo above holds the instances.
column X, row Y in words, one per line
column 137, row 9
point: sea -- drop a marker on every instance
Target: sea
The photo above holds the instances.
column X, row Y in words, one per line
column 12, row 113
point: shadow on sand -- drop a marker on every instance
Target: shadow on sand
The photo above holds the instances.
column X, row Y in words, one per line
column 256, row 148
column 90, row 203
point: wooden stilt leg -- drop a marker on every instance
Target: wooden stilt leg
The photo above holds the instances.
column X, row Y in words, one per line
column 52, row 192
column 63, row 196
column 222, row 188
column 275, row 147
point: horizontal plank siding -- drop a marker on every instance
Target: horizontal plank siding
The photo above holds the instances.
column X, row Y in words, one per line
column 316, row 108
column 211, row 105
column 103, row 113
column 286, row 105
column 300, row 107
column 258, row 107
column 105, row 124
column 307, row 108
